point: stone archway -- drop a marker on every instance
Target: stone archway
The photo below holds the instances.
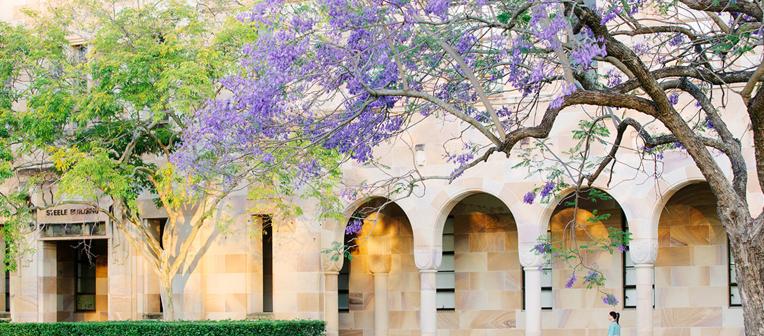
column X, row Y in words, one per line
column 479, row 284
column 379, row 278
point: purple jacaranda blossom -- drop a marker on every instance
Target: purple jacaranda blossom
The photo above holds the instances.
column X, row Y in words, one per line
column 542, row 248
column 529, row 197
column 709, row 123
column 438, row 8
column 571, row 281
column 673, row 98
column 567, row 90
column 610, row 15
column 585, row 54
column 613, row 77
column 591, row 277
column 610, row 299
column 354, row 227
column 641, row 48
column 676, row 40
column 622, row 248
column 466, row 42
column 547, row 189
column 301, row 24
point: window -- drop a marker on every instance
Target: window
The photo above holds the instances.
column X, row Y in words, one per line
column 734, row 290
column 630, row 274
column 343, row 279
column 446, row 277
column 79, row 53
column 266, row 224
column 547, row 293
column 343, row 287
column 629, row 281
column 7, row 291
column 157, row 226
column 73, row 230
column 85, row 283
column 7, row 285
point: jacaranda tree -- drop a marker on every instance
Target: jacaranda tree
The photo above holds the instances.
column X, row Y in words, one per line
column 93, row 103
column 350, row 74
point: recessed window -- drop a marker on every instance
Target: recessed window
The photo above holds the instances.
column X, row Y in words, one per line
column 629, row 282
column 446, row 277
column 266, row 223
column 85, row 295
column 73, row 230
column 734, row 290
column 547, row 292
column 630, row 274
column 7, row 291
column 343, row 287
column 157, row 226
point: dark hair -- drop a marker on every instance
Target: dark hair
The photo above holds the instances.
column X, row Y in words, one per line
column 616, row 316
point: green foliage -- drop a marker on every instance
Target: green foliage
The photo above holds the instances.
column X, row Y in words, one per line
column 277, row 187
column 100, row 115
column 156, row 328
column 592, row 194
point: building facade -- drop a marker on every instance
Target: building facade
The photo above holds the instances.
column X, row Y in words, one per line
column 450, row 259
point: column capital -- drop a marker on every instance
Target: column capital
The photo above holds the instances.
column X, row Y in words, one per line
column 528, row 258
column 331, row 263
column 643, row 251
column 428, row 258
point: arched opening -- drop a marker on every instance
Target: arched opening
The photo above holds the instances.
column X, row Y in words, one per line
column 588, row 229
column 479, row 282
column 692, row 266
column 379, row 242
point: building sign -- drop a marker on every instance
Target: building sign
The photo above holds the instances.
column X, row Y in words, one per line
column 67, row 214
column 72, row 221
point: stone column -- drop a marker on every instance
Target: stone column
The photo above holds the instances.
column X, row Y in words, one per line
column 427, row 261
column 380, row 304
column 330, row 296
column 331, row 304
column 643, row 252
column 121, row 290
column 532, row 264
column 47, row 292
column 428, row 312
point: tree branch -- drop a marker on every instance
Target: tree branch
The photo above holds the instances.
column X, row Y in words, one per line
column 730, row 6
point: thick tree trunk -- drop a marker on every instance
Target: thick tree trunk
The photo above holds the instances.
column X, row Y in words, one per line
column 749, row 264
column 168, row 299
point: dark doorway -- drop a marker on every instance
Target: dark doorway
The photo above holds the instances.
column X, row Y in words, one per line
column 82, row 280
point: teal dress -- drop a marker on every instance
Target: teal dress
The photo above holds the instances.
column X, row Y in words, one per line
column 614, row 330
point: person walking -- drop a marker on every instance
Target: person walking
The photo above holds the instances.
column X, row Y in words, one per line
column 615, row 328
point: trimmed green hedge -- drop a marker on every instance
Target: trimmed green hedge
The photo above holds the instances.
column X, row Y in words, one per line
column 158, row 328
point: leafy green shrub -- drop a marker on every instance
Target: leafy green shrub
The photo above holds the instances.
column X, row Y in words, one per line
column 159, row 328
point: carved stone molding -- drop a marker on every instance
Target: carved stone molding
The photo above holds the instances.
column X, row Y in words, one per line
column 643, row 250
column 528, row 258
column 428, row 259
column 331, row 266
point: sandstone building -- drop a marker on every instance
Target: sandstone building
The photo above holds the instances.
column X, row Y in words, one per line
column 452, row 259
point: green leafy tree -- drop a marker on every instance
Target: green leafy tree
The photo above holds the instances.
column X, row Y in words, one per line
column 94, row 105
